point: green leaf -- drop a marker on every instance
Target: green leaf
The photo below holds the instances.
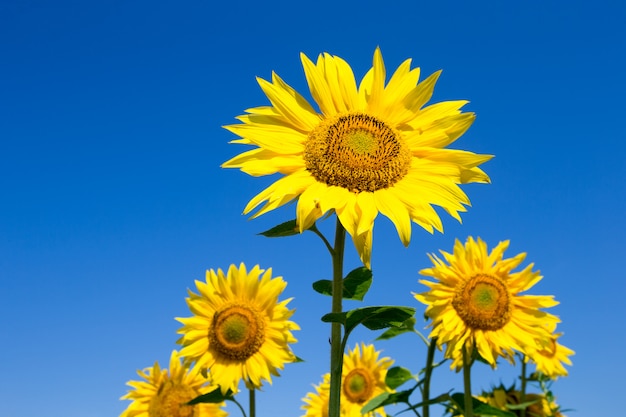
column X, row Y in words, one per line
column 334, row 318
column 324, row 287
column 288, row 228
column 480, row 408
column 214, row 396
column 407, row 326
column 387, row 398
column 375, row 402
column 523, row 405
column 355, row 285
column 397, row 376
column 374, row 318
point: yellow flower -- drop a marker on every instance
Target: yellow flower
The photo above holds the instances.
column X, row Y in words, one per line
column 239, row 329
column 316, row 404
column 165, row 393
column 372, row 148
column 476, row 303
column 363, row 378
column 550, row 356
column 502, row 398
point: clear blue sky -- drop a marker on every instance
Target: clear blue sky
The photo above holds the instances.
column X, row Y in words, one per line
column 112, row 200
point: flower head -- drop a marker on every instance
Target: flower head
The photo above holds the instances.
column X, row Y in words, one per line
column 164, row 393
column 239, row 329
column 316, row 404
column 476, row 303
column 371, row 148
column 503, row 398
column 550, row 355
column 363, row 378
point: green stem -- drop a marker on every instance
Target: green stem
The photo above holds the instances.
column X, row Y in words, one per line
column 252, row 402
column 243, row 412
column 315, row 230
column 427, row 374
column 467, row 385
column 523, row 388
column 336, row 346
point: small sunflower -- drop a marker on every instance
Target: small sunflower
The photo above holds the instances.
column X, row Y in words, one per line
column 476, row 303
column 503, row 398
column 239, row 329
column 164, row 393
column 363, row 378
column 371, row 148
column 550, row 356
column 316, row 404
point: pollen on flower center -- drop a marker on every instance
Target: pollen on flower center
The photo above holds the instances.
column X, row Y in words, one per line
column 171, row 401
column 356, row 151
column 358, row 386
column 483, row 302
column 238, row 332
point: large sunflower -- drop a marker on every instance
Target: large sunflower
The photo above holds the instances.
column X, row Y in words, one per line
column 476, row 303
column 239, row 329
column 164, row 393
column 370, row 149
column 363, row 378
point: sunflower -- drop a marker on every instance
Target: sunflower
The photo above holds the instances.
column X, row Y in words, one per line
column 505, row 398
column 165, row 393
column 372, row 148
column 363, row 378
column 550, row 356
column 239, row 329
column 316, row 404
column 476, row 303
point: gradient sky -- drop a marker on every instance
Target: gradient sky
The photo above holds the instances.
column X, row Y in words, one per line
column 113, row 201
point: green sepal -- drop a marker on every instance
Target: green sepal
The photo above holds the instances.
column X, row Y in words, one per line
column 213, row 397
column 374, row 318
column 288, row 228
column 480, row 408
column 355, row 284
column 407, row 326
column 397, row 376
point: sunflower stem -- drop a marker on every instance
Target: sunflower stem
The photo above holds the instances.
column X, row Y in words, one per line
column 523, row 388
column 252, row 402
column 243, row 412
column 430, row 357
column 315, row 230
column 467, row 386
column 336, row 345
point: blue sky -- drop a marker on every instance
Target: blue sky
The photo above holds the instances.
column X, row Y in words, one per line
column 113, row 201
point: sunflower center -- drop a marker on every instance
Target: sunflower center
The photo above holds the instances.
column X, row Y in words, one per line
column 358, row 386
column 238, row 332
column 171, row 401
column 356, row 151
column 483, row 302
